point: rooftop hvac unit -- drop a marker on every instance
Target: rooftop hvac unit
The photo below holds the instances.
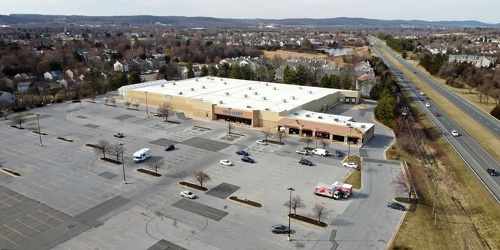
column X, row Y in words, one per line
column 227, row 93
column 249, row 88
column 363, row 126
column 267, row 109
column 173, row 83
column 310, row 92
column 162, row 85
column 196, row 79
column 296, row 113
column 245, row 95
column 220, row 102
column 348, row 124
column 222, row 79
column 320, row 117
column 203, row 86
column 300, row 87
column 255, row 93
column 293, row 97
column 263, row 98
column 283, row 100
column 336, row 119
column 308, row 116
column 192, row 89
column 249, row 106
column 225, row 83
column 274, row 88
column 267, row 84
column 180, row 93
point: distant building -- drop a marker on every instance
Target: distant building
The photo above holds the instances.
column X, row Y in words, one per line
column 478, row 61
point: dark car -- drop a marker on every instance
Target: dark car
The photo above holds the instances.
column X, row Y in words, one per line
column 494, row 174
column 395, row 205
column 119, row 135
column 169, row 147
column 241, row 152
column 280, row 229
column 437, row 114
column 338, row 153
column 247, row 159
column 491, row 170
column 304, row 161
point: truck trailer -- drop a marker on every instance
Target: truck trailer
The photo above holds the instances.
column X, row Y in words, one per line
column 142, row 155
column 327, row 190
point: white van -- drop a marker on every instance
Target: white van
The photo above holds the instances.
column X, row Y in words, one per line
column 320, row 151
column 142, row 155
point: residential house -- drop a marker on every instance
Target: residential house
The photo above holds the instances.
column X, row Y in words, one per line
column 7, row 99
column 477, row 61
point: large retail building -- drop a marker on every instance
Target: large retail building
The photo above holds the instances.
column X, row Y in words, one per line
column 292, row 109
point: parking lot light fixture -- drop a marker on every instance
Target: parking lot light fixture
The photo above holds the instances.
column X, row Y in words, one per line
column 39, row 134
column 289, row 212
column 123, row 164
column 147, row 109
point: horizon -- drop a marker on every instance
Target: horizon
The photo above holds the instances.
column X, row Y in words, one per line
column 484, row 11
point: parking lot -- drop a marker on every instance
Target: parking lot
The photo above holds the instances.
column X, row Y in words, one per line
column 82, row 202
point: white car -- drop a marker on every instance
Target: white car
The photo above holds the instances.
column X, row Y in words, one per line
column 427, row 104
column 350, row 165
column 226, row 162
column 188, row 194
column 261, row 142
column 302, row 152
column 454, row 133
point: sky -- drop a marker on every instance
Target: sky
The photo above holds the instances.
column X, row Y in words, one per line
column 429, row 10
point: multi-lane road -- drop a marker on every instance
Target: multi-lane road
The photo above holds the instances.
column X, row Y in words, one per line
column 470, row 151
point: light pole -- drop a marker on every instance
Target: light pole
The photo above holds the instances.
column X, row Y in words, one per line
column 229, row 122
column 123, row 163
column 316, row 136
column 39, row 134
column 289, row 212
column 349, row 143
column 147, row 109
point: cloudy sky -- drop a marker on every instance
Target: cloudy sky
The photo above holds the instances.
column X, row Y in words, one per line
column 429, row 10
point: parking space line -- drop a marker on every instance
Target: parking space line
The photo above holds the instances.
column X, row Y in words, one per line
column 83, row 243
column 1, row 201
column 1, row 235
column 50, row 215
column 14, row 230
column 40, row 186
column 50, row 182
column 12, row 197
column 114, row 236
column 32, row 190
column 27, row 225
column 67, row 176
column 110, row 246
column 38, row 220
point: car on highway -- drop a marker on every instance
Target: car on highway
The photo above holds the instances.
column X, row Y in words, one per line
column 454, row 133
column 188, row 194
column 241, row 152
column 492, row 172
column 350, row 165
column 302, row 152
column 437, row 114
column 427, row 104
column 395, row 205
column 247, row 159
column 169, row 147
column 261, row 142
column 226, row 162
column 278, row 228
column 305, row 161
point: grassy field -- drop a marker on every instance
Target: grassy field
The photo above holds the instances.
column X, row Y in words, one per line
column 337, row 60
column 466, row 215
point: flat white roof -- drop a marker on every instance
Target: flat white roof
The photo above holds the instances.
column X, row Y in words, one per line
column 340, row 120
column 238, row 94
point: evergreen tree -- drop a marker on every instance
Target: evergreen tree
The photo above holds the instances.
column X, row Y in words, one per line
column 190, row 71
column 288, row 75
column 386, row 110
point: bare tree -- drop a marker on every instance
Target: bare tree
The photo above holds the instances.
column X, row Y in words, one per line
column 5, row 114
column 127, row 103
column 156, row 164
column 318, row 210
column 19, row 120
column 106, row 100
column 116, row 150
column 324, row 143
column 281, row 135
column 308, row 140
column 136, row 105
column 295, row 203
column 201, row 177
column 267, row 132
column 166, row 109
column 112, row 100
column 402, row 184
column 103, row 147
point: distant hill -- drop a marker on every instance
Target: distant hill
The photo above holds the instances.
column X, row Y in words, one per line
column 210, row 22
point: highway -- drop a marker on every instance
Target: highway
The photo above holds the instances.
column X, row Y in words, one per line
column 470, row 151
